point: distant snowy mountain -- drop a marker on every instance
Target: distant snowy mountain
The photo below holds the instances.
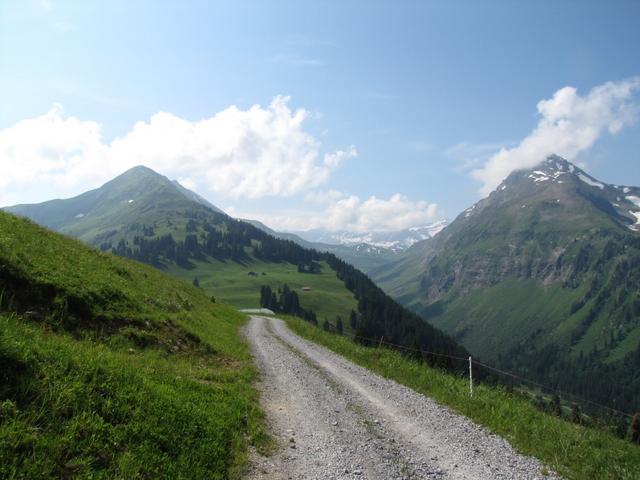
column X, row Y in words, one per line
column 394, row 241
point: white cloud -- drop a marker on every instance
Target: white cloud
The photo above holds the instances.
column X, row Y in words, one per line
column 324, row 197
column 469, row 155
column 297, row 60
column 569, row 124
column 51, row 152
column 243, row 153
column 352, row 214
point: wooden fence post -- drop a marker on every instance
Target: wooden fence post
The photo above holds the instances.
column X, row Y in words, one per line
column 470, row 379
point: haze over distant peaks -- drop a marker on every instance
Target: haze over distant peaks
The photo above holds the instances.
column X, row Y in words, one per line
column 395, row 241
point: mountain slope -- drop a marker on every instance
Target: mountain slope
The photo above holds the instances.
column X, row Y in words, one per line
column 541, row 276
column 114, row 211
column 111, row 369
column 144, row 216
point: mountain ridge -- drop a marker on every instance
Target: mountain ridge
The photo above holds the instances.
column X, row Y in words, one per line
column 395, row 241
column 539, row 277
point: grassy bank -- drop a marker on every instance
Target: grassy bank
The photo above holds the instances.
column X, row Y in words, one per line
column 111, row 369
column 574, row 451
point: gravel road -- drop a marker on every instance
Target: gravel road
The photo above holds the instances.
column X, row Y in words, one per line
column 335, row 420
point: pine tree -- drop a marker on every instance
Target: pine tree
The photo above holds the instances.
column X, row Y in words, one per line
column 556, row 407
column 353, row 320
column 339, row 328
column 634, row 430
column 196, row 282
column 576, row 414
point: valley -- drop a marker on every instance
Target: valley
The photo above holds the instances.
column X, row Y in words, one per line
column 146, row 325
column 239, row 285
column 319, row 240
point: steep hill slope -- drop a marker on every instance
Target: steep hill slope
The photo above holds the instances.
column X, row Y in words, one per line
column 541, row 276
column 144, row 216
column 111, row 369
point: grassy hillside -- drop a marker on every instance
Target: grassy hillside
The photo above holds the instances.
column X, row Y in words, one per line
column 112, row 369
column 530, row 307
column 239, row 284
column 574, row 451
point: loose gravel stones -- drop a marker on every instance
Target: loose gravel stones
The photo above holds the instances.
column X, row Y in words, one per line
column 336, row 420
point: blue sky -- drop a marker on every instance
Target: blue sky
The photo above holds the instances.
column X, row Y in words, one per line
column 413, row 97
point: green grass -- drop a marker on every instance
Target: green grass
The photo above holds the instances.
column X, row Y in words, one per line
column 230, row 282
column 111, row 369
column 574, row 451
column 477, row 319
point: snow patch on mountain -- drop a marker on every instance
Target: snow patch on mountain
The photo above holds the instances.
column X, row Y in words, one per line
column 539, row 176
column 633, row 199
column 589, row 181
column 368, row 241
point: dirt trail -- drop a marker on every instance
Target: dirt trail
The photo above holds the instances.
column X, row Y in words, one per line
column 336, row 420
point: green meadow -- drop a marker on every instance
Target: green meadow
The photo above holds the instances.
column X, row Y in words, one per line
column 112, row 369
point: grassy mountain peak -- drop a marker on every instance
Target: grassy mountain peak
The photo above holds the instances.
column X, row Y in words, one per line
column 100, row 215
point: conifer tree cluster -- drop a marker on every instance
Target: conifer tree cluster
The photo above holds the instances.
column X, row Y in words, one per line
column 286, row 301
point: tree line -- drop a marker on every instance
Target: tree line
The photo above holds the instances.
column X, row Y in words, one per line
column 286, row 301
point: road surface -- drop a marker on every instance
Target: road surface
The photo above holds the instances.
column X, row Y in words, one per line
column 335, row 420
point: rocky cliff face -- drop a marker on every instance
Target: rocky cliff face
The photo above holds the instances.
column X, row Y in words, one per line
column 529, row 227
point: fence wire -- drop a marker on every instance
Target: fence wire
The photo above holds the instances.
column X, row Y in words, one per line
column 554, row 390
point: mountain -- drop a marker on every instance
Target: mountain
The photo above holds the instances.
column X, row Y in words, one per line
column 113, row 211
column 540, row 277
column 364, row 256
column 147, row 217
column 394, row 241
column 285, row 235
column 366, row 251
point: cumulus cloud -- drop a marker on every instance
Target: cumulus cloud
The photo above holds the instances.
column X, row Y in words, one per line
column 243, row 153
column 324, row 197
column 569, row 124
column 377, row 214
column 50, row 151
column 349, row 212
